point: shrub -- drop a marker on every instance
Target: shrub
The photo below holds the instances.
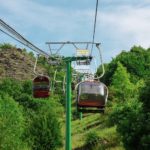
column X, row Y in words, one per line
column 92, row 138
column 45, row 129
column 11, row 124
column 6, row 46
column 11, row 86
column 132, row 124
column 27, row 87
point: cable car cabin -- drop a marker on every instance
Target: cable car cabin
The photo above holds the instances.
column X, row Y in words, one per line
column 41, row 87
column 92, row 96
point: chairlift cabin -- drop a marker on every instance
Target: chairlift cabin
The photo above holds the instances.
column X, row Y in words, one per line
column 41, row 87
column 92, row 96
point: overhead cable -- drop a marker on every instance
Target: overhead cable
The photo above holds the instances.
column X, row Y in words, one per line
column 93, row 37
column 18, row 37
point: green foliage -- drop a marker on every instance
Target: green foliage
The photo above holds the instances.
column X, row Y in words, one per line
column 145, row 116
column 137, row 62
column 26, row 101
column 121, row 85
column 6, row 46
column 131, row 115
column 91, row 140
column 127, row 119
column 40, row 116
column 31, row 54
column 11, row 86
column 92, row 137
column 27, row 87
column 11, row 124
column 145, row 96
column 45, row 128
column 133, row 121
column 123, row 110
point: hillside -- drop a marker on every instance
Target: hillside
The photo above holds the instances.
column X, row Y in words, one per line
column 41, row 123
column 17, row 63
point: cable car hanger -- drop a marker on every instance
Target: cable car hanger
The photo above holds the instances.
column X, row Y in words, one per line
column 102, row 64
column 35, row 65
column 103, row 69
column 59, row 81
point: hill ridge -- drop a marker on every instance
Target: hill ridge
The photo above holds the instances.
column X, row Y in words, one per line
column 17, row 63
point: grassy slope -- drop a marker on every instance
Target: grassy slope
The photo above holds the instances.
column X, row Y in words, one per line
column 108, row 137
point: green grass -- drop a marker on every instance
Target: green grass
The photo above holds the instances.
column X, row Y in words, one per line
column 108, row 137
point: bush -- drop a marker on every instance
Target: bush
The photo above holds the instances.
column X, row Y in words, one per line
column 11, row 86
column 122, row 111
column 11, row 124
column 6, row 46
column 132, row 124
column 27, row 87
column 92, row 139
column 45, row 129
column 26, row 101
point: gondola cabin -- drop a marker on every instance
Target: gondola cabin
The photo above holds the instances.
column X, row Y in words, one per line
column 91, row 94
column 41, row 87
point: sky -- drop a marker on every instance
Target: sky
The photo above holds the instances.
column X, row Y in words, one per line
column 121, row 24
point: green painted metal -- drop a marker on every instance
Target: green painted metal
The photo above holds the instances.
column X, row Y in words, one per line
column 68, row 107
column 68, row 61
column 81, row 115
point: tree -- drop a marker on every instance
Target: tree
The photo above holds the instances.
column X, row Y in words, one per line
column 121, row 85
column 133, row 121
column 136, row 61
column 145, row 119
column 11, row 124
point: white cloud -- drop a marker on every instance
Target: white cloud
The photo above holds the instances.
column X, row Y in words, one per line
column 120, row 27
column 128, row 23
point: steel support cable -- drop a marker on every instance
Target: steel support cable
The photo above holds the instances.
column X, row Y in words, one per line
column 93, row 38
column 9, row 29
column 22, row 40
column 12, row 37
column 4, row 25
column 26, row 44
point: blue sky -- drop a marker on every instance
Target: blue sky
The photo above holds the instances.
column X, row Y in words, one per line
column 120, row 23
